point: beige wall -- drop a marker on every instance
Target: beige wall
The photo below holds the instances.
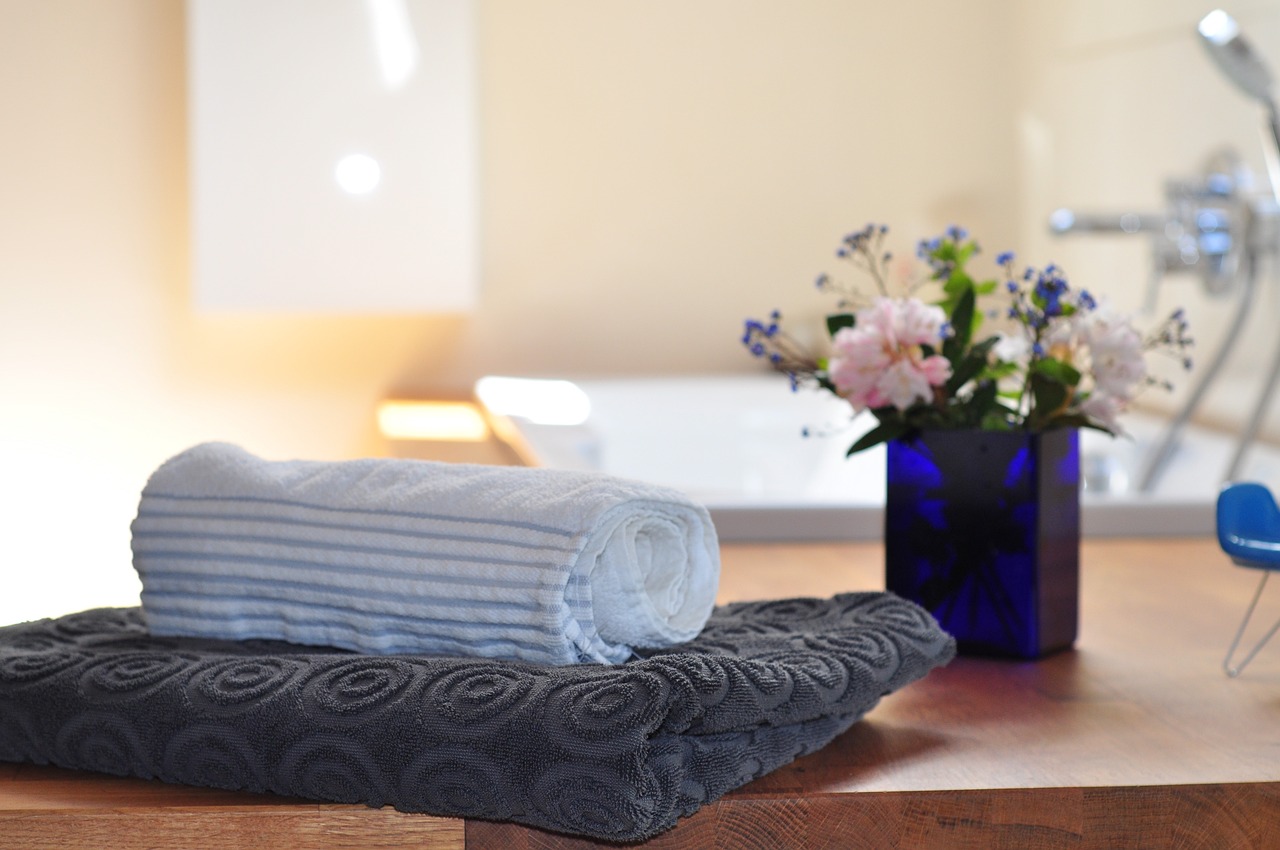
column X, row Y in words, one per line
column 652, row 172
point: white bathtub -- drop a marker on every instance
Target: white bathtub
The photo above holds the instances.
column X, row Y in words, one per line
column 735, row 443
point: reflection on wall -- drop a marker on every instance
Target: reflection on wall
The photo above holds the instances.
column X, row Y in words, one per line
column 333, row 155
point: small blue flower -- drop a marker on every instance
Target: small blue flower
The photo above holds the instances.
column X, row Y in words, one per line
column 1011, row 286
column 758, row 349
column 957, row 233
column 1004, row 259
column 1038, row 349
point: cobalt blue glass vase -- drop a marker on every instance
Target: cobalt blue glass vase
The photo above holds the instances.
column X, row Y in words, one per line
column 982, row 528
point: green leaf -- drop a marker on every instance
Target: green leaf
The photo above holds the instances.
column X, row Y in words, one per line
column 961, row 317
column 980, row 404
column 957, row 282
column 1080, row 420
column 997, row 420
column 1049, row 397
column 882, row 433
column 1056, row 370
column 973, row 364
column 836, row 321
column 1002, row 370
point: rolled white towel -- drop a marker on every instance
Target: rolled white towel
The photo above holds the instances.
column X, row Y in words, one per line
column 404, row 556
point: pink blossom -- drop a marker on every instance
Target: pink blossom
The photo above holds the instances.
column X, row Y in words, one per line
column 917, row 323
column 879, row 361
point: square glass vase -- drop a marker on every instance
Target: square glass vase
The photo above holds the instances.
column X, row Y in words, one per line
column 982, row 528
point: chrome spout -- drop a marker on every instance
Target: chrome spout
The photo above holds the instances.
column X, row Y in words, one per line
column 1063, row 221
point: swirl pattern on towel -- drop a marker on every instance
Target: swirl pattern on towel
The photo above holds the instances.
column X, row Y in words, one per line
column 610, row 752
column 131, row 676
column 238, row 684
column 356, row 689
column 217, row 756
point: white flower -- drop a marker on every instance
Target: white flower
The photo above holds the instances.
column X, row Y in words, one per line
column 1012, row 348
column 1116, row 355
column 916, row 323
column 1105, row 410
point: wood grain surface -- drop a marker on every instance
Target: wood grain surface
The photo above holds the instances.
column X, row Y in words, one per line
column 1135, row 739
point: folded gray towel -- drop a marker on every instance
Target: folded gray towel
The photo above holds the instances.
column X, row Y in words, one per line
column 611, row 752
column 404, row 556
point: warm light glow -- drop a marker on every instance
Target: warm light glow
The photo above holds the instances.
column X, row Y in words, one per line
column 357, row 174
column 457, row 421
column 1219, row 27
column 393, row 41
column 542, row 402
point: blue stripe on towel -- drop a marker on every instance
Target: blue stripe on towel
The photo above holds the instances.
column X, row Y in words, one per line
column 446, row 644
column 166, row 583
column 262, row 500
column 283, row 604
column 293, row 542
column 164, row 517
column 298, row 563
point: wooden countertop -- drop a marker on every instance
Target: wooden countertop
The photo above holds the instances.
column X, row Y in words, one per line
column 1134, row 739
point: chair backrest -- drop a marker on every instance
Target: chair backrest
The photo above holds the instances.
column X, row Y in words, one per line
column 1248, row 523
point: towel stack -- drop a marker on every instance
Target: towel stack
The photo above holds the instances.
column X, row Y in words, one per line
column 400, row 556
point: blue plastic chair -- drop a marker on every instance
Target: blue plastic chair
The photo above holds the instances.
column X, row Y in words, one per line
column 1249, row 531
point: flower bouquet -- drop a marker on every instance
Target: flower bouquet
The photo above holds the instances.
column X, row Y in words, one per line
column 1062, row 358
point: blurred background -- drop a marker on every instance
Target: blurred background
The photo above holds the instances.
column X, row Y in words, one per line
column 650, row 174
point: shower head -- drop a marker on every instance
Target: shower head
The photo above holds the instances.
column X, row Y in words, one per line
column 1235, row 57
